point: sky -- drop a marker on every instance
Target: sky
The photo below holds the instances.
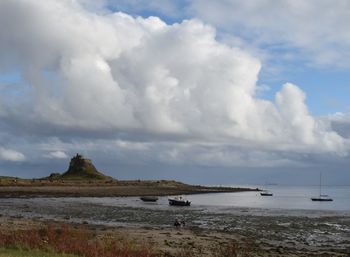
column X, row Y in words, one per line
column 206, row 92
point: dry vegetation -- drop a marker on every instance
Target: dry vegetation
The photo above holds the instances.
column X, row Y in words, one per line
column 78, row 241
column 13, row 252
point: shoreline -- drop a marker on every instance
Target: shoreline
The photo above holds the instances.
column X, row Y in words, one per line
column 110, row 189
column 260, row 235
column 197, row 241
column 209, row 229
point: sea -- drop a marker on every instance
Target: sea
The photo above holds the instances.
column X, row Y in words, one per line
column 286, row 201
column 284, row 197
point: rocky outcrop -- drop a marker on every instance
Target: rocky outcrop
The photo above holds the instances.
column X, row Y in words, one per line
column 81, row 168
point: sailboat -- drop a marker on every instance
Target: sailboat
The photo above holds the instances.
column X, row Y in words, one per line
column 322, row 198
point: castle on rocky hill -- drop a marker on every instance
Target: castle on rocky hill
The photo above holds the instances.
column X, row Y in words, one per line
column 82, row 168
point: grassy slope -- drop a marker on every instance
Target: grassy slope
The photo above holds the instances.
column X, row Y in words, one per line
column 4, row 252
column 103, row 188
column 86, row 174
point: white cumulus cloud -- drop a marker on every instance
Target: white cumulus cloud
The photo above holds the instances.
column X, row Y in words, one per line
column 318, row 28
column 11, row 155
column 57, row 155
column 114, row 74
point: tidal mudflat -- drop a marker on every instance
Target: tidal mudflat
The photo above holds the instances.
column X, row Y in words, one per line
column 263, row 232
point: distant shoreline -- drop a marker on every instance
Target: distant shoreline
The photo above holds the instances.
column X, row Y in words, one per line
column 108, row 189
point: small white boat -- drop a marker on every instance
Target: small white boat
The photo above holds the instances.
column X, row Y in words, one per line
column 179, row 201
column 266, row 193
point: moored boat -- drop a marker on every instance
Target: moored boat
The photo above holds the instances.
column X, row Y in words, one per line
column 266, row 193
column 179, row 201
column 149, row 198
column 321, row 198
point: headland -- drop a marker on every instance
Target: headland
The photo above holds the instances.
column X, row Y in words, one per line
column 82, row 179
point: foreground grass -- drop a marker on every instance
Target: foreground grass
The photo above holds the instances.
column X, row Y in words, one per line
column 29, row 253
column 68, row 240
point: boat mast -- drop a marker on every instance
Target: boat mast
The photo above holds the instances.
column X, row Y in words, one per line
column 320, row 182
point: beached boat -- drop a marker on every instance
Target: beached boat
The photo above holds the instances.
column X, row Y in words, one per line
column 266, row 193
column 321, row 197
column 179, row 201
column 149, row 198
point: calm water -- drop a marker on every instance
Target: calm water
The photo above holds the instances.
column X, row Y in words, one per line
column 284, row 197
column 286, row 201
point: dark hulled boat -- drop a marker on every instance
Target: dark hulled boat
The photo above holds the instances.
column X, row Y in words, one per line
column 149, row 198
column 321, row 198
